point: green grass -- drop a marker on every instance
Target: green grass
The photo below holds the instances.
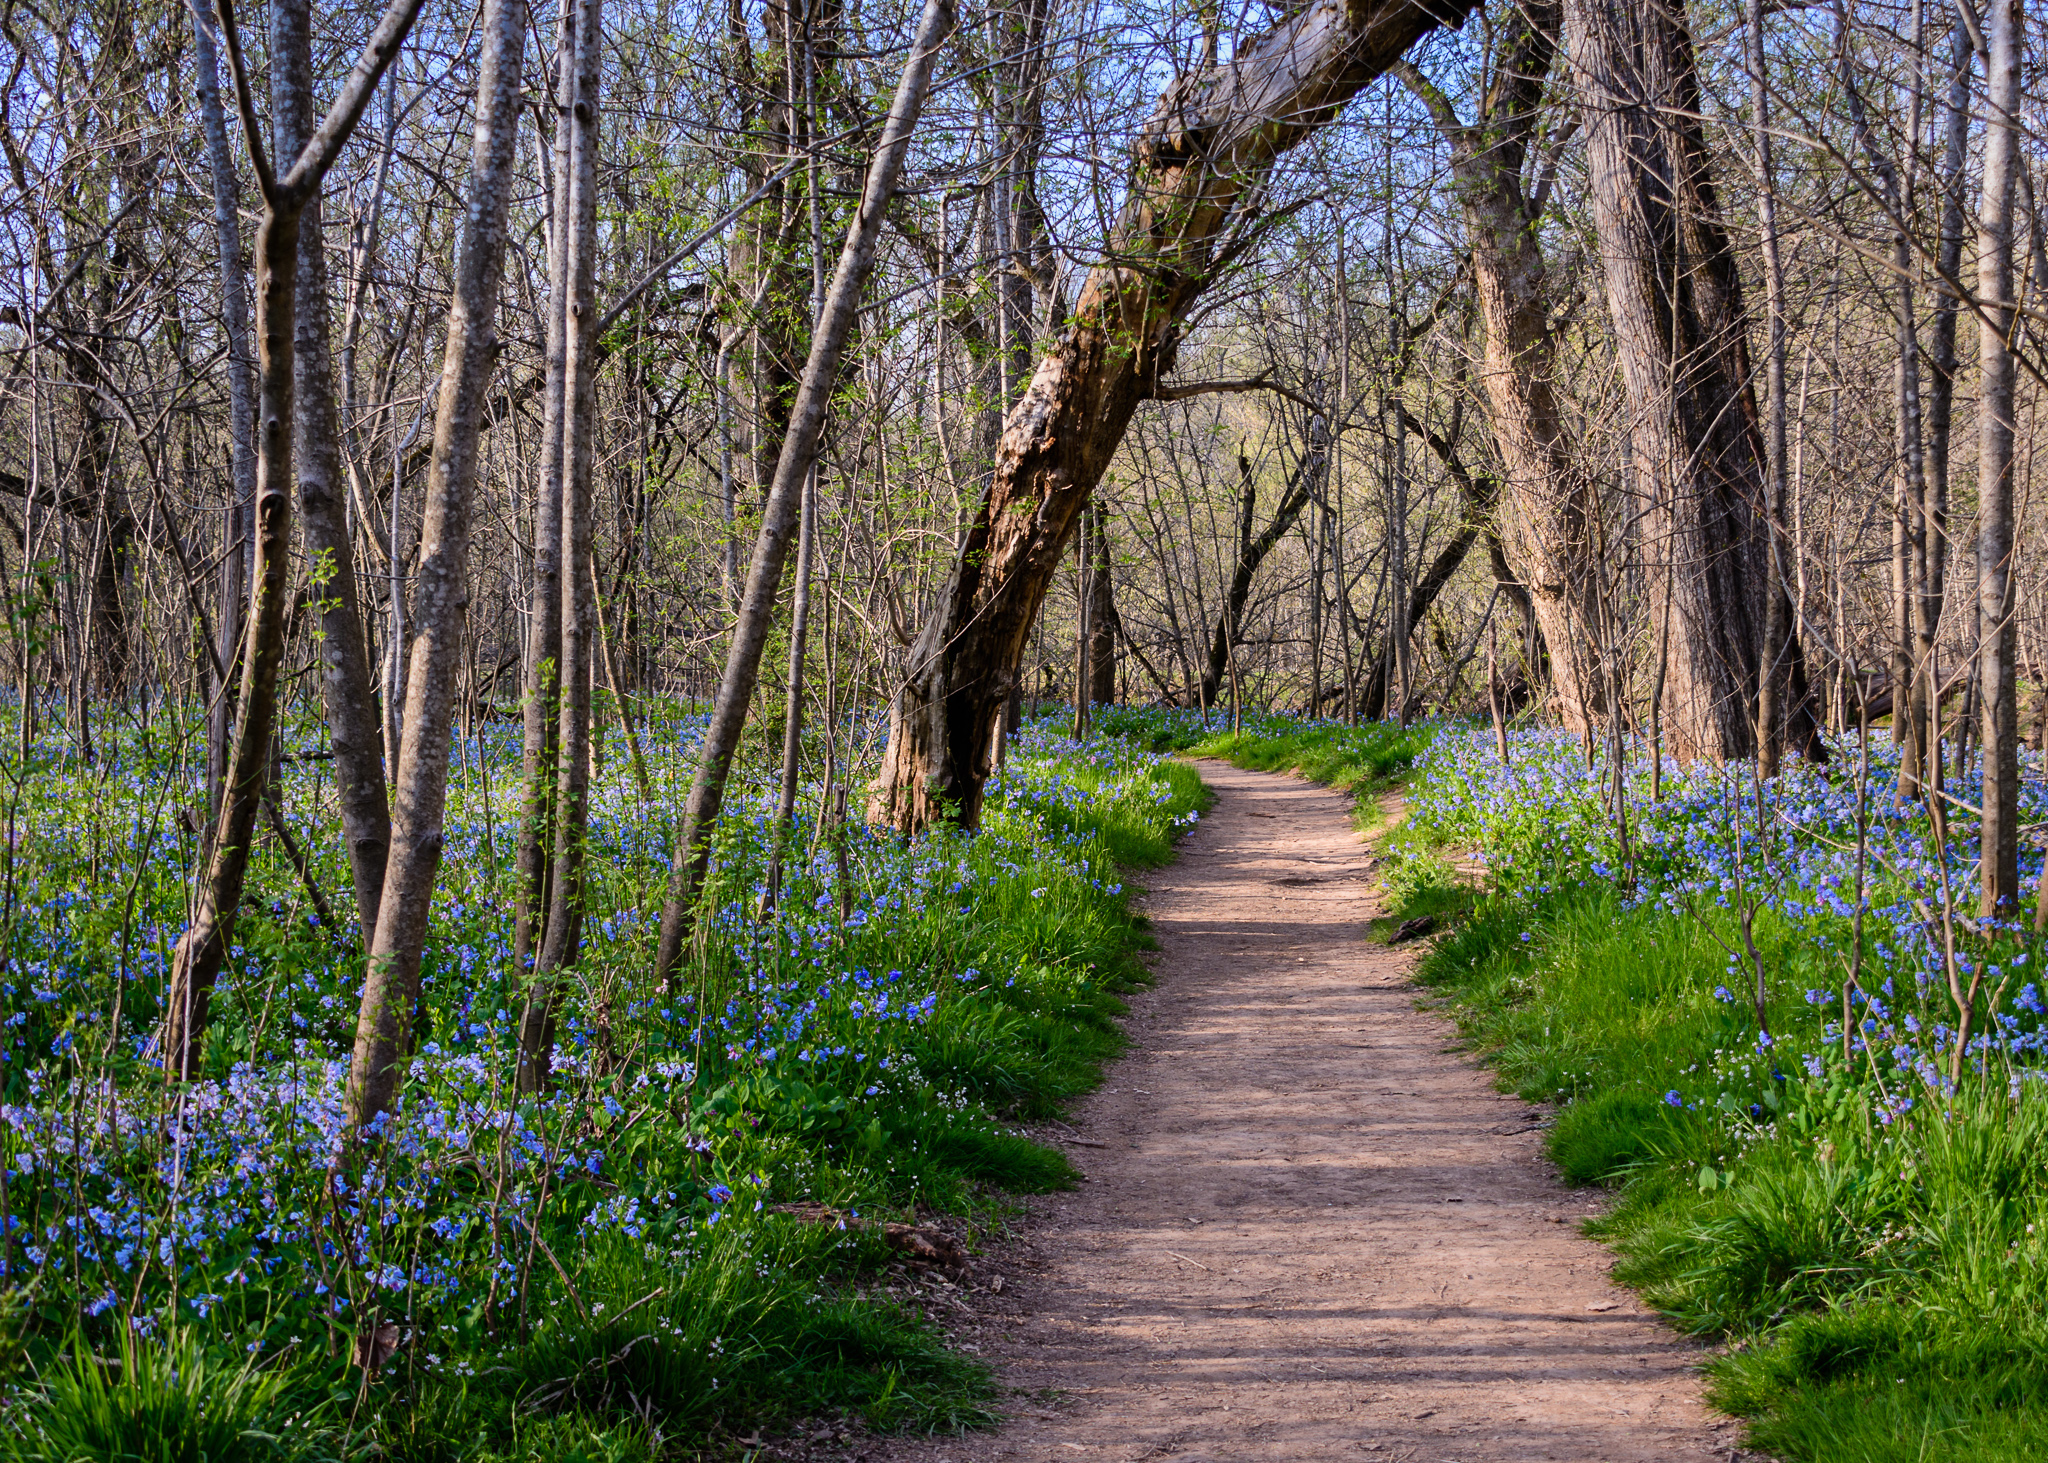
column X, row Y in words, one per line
column 1876, row 1280
column 1362, row 760
column 1879, row 1290
column 175, row 1401
column 739, row 1331
column 633, row 1295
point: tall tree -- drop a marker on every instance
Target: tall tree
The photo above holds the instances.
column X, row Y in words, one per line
column 1193, row 205
column 1502, row 181
column 442, row 587
column 1915, row 725
column 1771, row 672
column 201, row 949
column 792, row 469
column 575, row 144
column 348, row 692
column 1674, row 295
column 1997, row 635
column 236, row 530
column 575, row 659
column 1931, row 569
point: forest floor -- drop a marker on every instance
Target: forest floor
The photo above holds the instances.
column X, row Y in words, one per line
column 1310, row 1227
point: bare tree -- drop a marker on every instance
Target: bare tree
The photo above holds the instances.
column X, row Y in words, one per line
column 572, row 621
column 348, row 691
column 1674, row 295
column 1503, row 181
column 1194, row 205
column 197, row 960
column 1303, row 485
column 1997, row 637
column 799, row 455
column 237, row 530
column 442, row 589
column 576, row 57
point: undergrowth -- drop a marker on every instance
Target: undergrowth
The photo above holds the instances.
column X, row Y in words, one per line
column 604, row 1271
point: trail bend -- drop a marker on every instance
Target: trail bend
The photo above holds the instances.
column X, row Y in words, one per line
column 1310, row 1229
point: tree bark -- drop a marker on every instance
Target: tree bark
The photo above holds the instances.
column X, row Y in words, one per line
column 807, row 509
column 541, row 705
column 763, row 257
column 1931, row 575
column 562, row 938
column 237, row 531
column 1191, row 208
column 1102, row 621
column 1549, row 494
column 793, row 686
column 441, row 588
column 348, row 691
column 1675, row 297
column 799, row 454
column 196, row 961
column 1917, row 727
column 1997, row 704
column 1771, row 673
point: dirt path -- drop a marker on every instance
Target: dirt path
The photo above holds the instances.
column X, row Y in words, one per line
column 1309, row 1231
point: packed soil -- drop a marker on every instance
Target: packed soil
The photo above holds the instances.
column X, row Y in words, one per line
column 1310, row 1227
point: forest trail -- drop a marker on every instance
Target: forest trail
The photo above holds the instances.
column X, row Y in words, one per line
column 1309, row 1231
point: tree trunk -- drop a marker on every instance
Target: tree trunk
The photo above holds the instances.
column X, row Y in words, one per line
column 348, row 691
column 1675, row 298
column 1932, row 570
column 807, row 510
column 1997, row 704
column 541, row 703
column 763, row 258
column 562, row 937
column 1549, row 494
column 1771, row 672
column 1102, row 621
column 1193, row 197
column 1083, row 597
column 1916, row 727
column 441, row 588
column 237, row 530
column 778, row 519
column 200, row 951
column 196, row 961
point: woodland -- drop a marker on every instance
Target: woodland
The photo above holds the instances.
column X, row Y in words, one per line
column 600, row 601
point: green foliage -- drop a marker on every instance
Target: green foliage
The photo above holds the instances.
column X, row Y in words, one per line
column 178, row 1400
column 600, row 1272
column 742, row 1325
column 1370, row 755
column 1868, row 1240
column 1881, row 1283
column 1356, row 759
